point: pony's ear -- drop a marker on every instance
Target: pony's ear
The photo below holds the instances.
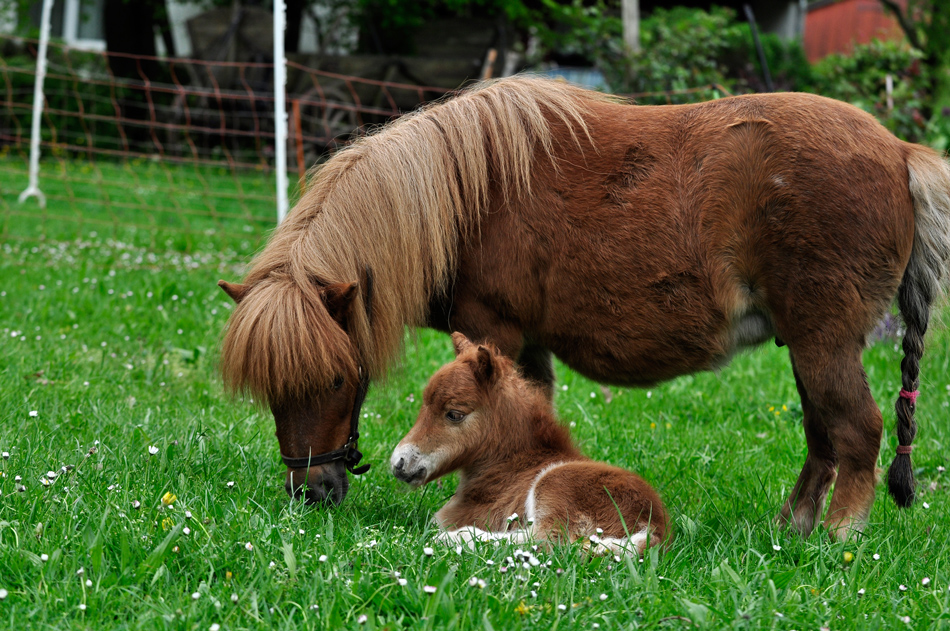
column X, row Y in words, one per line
column 338, row 299
column 235, row 290
column 486, row 368
column 460, row 342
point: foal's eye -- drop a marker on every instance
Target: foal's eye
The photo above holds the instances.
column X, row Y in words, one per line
column 455, row 416
column 337, row 383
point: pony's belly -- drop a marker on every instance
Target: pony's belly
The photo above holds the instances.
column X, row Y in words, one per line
column 647, row 360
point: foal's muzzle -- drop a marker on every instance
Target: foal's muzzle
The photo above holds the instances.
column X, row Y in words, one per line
column 322, row 484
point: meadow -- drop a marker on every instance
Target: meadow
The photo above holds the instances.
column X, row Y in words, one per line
column 136, row 494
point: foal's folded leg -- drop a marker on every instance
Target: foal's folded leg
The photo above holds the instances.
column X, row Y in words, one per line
column 468, row 535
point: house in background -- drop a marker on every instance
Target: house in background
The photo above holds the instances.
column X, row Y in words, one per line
column 836, row 26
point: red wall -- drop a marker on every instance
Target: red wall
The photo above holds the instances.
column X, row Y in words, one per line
column 836, row 27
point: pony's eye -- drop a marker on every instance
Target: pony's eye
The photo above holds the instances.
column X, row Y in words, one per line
column 455, row 416
column 337, row 383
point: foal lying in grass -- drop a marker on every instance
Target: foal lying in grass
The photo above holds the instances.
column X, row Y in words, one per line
column 480, row 417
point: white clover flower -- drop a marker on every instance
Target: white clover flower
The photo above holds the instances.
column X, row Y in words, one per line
column 876, row 556
column 249, row 546
column 301, row 531
column 776, row 547
column 186, row 530
column 136, row 504
column 231, row 484
column 80, row 571
column 234, row 598
column 187, row 514
column 3, row 594
column 6, row 455
column 362, row 619
column 427, row 551
column 429, row 589
column 34, row 413
column 88, row 582
column 403, row 582
column 51, row 475
column 603, row 596
column 323, row 558
column 215, row 627
column 926, row 505
column 153, row 450
column 195, row 595
column 472, row 582
column 44, row 557
column 861, row 592
column 902, row 587
column 925, row 581
column 82, row 606
column 533, row 594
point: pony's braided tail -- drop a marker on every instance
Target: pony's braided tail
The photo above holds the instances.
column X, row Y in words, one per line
column 924, row 277
column 915, row 309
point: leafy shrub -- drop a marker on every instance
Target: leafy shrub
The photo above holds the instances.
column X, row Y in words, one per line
column 860, row 79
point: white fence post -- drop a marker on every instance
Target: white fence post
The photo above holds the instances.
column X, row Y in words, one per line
column 33, row 188
column 280, row 107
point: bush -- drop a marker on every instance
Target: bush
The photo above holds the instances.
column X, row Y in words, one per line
column 860, row 79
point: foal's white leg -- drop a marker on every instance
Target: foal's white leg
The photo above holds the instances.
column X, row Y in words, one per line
column 470, row 534
column 634, row 544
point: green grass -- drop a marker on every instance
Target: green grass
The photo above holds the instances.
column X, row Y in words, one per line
column 117, row 353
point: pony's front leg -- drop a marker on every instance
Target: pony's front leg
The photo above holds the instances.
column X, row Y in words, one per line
column 536, row 364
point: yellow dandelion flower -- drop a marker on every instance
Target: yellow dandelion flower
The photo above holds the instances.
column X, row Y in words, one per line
column 167, row 523
column 169, row 498
column 669, row 426
column 228, row 575
column 652, row 425
column 785, row 407
column 522, row 608
column 771, row 408
column 848, row 557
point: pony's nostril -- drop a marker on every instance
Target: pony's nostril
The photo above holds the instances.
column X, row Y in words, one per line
column 399, row 465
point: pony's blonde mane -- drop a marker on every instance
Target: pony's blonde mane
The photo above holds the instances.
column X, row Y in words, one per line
column 396, row 202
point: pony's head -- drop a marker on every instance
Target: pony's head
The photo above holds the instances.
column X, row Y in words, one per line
column 459, row 422
column 290, row 346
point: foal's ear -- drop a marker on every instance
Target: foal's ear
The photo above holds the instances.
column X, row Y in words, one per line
column 460, row 342
column 235, row 290
column 486, row 368
column 338, row 299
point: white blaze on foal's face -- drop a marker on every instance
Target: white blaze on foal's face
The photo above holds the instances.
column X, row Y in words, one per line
column 449, row 432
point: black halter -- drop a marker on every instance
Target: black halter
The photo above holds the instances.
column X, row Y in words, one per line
column 348, row 453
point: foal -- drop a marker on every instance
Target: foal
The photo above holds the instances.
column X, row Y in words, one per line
column 521, row 477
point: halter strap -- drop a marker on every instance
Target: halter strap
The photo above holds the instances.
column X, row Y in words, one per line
column 348, row 453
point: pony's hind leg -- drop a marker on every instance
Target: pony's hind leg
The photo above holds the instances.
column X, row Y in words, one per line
column 835, row 388
column 807, row 500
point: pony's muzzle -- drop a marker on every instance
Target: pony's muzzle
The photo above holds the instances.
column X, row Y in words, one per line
column 322, row 484
column 408, row 465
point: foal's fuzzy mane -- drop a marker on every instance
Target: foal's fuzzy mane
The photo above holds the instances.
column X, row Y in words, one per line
column 396, row 202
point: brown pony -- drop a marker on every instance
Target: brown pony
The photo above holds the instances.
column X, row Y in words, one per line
column 521, row 478
column 635, row 243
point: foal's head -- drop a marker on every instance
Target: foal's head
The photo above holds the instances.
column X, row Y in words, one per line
column 460, row 422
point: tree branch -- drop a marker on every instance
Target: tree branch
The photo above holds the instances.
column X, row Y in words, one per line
column 905, row 24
